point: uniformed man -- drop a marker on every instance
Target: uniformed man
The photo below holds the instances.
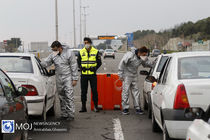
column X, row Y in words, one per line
column 89, row 61
column 66, row 70
column 127, row 72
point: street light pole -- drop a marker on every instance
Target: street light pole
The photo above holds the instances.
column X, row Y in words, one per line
column 80, row 22
column 74, row 24
column 85, row 20
column 56, row 19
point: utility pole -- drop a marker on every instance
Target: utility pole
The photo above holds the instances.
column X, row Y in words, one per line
column 74, row 24
column 85, row 20
column 56, row 20
column 80, row 22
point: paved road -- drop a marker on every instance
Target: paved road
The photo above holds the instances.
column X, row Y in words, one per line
column 106, row 125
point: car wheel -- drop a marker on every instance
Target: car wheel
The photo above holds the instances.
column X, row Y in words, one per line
column 52, row 110
column 145, row 104
column 24, row 135
column 165, row 133
column 149, row 108
column 44, row 113
column 155, row 126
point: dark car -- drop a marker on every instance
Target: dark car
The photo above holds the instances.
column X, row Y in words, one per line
column 13, row 109
column 155, row 53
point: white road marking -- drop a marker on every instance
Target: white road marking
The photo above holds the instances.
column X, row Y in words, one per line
column 104, row 68
column 118, row 133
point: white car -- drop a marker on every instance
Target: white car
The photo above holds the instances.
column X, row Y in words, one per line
column 183, row 86
column 200, row 128
column 109, row 53
column 25, row 70
column 148, row 86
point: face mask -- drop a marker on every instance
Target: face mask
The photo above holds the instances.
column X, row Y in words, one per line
column 87, row 46
column 144, row 58
column 55, row 52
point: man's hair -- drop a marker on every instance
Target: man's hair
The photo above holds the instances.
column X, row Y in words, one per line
column 143, row 49
column 88, row 40
column 56, row 44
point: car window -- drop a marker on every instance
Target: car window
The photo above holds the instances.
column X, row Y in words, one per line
column 42, row 70
column 194, row 67
column 8, row 87
column 109, row 50
column 162, row 71
column 161, row 63
column 1, row 90
column 165, row 76
column 16, row 64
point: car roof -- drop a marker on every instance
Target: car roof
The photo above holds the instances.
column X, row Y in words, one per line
column 17, row 54
column 190, row 54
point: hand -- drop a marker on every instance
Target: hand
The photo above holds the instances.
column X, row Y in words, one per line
column 74, row 83
column 121, row 79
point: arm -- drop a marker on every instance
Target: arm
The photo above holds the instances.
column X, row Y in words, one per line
column 74, row 67
column 47, row 62
column 123, row 64
column 98, row 60
column 148, row 63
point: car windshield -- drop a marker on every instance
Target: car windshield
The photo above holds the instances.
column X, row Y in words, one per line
column 156, row 50
column 161, row 63
column 194, row 67
column 16, row 64
column 109, row 50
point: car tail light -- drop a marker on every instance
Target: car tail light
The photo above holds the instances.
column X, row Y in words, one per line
column 31, row 90
column 154, row 84
column 181, row 100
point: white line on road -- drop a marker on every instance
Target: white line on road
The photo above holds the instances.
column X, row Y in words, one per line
column 118, row 133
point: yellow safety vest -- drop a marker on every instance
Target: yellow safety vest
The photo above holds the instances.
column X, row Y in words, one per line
column 88, row 61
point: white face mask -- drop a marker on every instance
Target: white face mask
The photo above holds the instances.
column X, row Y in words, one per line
column 55, row 52
column 144, row 58
column 87, row 46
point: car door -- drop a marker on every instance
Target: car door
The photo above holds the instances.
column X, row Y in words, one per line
column 12, row 105
column 49, row 84
column 159, row 90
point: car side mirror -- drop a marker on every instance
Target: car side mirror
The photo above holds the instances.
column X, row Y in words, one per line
column 152, row 79
column 143, row 72
column 22, row 91
column 51, row 72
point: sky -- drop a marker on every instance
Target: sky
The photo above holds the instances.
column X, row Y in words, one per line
column 34, row 20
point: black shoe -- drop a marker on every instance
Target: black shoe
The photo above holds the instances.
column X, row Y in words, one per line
column 96, row 109
column 83, row 110
column 63, row 118
column 125, row 112
column 70, row 118
column 139, row 111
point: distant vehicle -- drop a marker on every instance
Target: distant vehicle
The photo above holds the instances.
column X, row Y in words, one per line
column 12, row 107
column 76, row 52
column 25, row 70
column 200, row 128
column 155, row 53
column 101, row 52
column 109, row 53
column 148, row 86
column 183, row 85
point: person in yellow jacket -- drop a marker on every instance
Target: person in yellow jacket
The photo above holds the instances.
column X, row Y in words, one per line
column 89, row 61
